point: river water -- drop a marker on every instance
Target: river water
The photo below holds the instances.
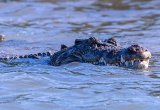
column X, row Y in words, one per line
column 33, row 26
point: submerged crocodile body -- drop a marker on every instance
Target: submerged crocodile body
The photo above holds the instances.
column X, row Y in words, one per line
column 95, row 51
column 107, row 52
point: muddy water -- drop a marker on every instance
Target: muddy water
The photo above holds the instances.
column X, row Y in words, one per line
column 33, row 26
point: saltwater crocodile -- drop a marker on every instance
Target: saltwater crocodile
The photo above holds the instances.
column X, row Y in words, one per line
column 95, row 51
column 107, row 52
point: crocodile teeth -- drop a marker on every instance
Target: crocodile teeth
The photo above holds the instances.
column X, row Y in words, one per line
column 102, row 61
column 122, row 59
column 132, row 62
column 126, row 63
column 105, row 62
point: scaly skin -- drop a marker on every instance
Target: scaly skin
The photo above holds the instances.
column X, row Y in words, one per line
column 33, row 56
column 92, row 50
column 106, row 52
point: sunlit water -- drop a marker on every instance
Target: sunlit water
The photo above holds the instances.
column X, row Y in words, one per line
column 33, row 26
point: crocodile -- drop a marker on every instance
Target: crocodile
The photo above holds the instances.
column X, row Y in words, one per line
column 98, row 52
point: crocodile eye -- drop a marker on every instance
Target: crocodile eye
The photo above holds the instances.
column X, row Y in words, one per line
column 141, row 60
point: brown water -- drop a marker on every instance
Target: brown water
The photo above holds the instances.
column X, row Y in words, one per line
column 33, row 26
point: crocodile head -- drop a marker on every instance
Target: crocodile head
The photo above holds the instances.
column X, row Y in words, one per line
column 136, row 56
column 94, row 51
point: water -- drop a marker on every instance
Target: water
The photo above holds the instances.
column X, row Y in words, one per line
column 33, row 26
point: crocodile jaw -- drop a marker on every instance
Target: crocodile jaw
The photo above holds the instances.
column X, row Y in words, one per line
column 135, row 63
column 136, row 57
column 144, row 64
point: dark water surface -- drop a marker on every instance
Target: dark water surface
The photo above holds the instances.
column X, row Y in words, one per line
column 33, row 26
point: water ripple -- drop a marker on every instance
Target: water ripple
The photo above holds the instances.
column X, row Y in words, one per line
column 33, row 26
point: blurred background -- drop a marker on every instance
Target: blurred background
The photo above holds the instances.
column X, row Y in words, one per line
column 32, row 26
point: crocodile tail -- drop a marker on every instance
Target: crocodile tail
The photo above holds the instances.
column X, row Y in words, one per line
column 33, row 56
